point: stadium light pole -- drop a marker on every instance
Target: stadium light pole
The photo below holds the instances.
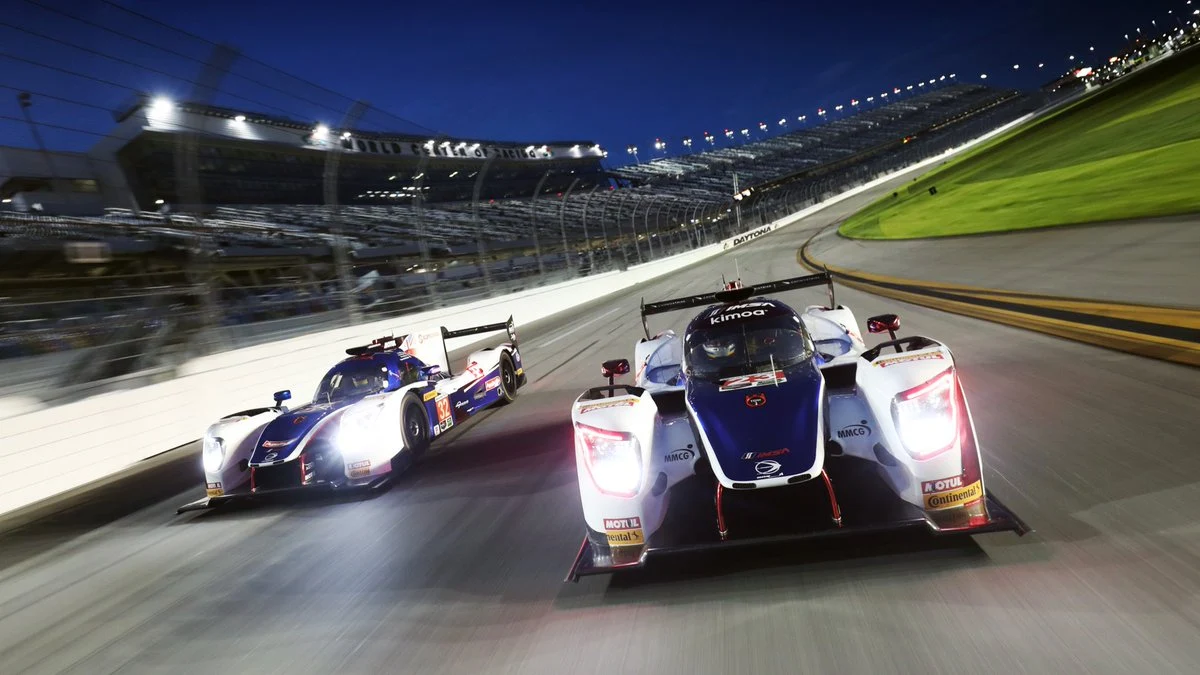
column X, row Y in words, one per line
column 562, row 219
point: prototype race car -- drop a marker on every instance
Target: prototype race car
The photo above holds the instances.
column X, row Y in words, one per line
column 762, row 424
column 372, row 416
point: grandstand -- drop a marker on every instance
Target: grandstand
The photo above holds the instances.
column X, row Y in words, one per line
column 415, row 223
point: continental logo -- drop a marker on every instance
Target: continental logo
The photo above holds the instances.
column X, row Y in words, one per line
column 749, row 236
column 624, row 531
column 359, row 469
column 953, row 498
column 931, row 356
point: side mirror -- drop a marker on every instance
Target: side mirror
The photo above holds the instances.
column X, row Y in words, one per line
column 611, row 369
column 884, row 323
column 281, row 396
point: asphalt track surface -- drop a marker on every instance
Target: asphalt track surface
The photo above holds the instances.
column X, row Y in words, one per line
column 1141, row 261
column 458, row 568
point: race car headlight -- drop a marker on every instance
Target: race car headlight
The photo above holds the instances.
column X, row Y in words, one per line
column 927, row 416
column 613, row 460
column 358, row 426
column 213, row 453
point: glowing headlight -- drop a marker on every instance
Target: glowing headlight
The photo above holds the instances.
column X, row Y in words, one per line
column 213, row 454
column 613, row 460
column 358, row 426
column 927, row 416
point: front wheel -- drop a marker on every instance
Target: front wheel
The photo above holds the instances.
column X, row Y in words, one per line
column 414, row 426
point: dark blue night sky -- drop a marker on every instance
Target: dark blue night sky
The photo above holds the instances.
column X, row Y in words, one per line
column 616, row 73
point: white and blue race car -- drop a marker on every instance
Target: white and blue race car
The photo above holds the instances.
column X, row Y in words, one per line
column 373, row 414
column 762, row 423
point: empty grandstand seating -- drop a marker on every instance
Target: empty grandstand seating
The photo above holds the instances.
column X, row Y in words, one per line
column 271, row 263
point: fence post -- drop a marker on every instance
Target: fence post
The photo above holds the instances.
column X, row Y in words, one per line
column 187, row 176
column 562, row 221
column 537, row 247
column 341, row 257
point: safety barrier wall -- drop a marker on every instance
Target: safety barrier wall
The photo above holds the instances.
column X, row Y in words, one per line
column 49, row 451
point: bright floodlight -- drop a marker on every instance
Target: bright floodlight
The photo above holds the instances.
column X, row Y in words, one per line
column 345, row 134
column 1041, row 65
column 321, row 131
column 163, row 105
column 983, row 76
column 239, row 118
column 1016, row 66
column 160, row 202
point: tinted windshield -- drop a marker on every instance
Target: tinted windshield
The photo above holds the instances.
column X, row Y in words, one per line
column 352, row 379
column 746, row 347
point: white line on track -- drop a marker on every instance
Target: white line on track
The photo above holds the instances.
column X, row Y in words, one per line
column 578, row 328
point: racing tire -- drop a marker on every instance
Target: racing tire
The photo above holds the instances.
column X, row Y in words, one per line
column 414, row 428
column 508, row 379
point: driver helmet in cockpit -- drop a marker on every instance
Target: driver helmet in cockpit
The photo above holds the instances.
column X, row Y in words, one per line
column 719, row 347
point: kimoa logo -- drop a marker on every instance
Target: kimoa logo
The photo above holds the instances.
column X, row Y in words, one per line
column 748, row 314
column 751, row 235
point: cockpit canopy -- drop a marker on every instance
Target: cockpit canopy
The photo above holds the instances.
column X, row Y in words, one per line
column 743, row 347
column 353, row 379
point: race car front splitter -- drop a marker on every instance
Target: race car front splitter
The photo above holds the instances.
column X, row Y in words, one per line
column 898, row 518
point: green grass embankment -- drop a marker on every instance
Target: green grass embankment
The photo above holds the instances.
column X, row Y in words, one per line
column 1131, row 150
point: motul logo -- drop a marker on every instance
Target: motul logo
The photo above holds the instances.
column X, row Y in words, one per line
column 941, row 485
column 622, row 523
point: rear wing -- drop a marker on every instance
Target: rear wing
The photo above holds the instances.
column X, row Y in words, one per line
column 427, row 346
column 736, row 295
column 442, row 357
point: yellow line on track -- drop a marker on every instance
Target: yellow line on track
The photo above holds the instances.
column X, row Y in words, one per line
column 1153, row 346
